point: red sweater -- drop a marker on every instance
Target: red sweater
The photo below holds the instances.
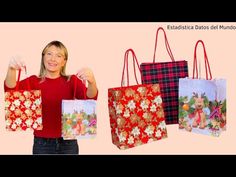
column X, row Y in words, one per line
column 53, row 91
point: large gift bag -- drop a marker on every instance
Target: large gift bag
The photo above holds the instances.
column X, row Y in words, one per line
column 79, row 118
column 167, row 75
column 202, row 102
column 136, row 112
column 23, row 108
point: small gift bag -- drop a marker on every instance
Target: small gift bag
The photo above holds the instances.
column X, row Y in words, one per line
column 79, row 118
column 23, row 108
column 202, row 102
column 136, row 112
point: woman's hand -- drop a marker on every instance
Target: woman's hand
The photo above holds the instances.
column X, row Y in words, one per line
column 86, row 74
column 16, row 63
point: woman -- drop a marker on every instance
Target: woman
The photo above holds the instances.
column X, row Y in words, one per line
column 55, row 85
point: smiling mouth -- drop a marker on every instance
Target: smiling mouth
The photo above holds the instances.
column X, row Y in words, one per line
column 52, row 64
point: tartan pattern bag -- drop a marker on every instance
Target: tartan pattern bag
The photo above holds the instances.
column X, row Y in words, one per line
column 136, row 112
column 202, row 102
column 23, row 108
column 166, row 74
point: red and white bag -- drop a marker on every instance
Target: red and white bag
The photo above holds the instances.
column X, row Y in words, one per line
column 23, row 108
column 136, row 112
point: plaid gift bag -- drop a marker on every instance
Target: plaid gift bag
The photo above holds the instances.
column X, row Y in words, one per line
column 79, row 118
column 136, row 112
column 166, row 74
column 23, row 108
column 202, row 102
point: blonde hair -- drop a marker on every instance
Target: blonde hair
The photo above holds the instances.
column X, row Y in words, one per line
column 59, row 45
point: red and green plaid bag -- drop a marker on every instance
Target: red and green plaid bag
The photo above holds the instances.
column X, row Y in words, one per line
column 166, row 74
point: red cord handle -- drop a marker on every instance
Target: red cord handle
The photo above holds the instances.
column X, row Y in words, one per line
column 126, row 65
column 166, row 44
column 18, row 79
column 84, row 90
column 207, row 66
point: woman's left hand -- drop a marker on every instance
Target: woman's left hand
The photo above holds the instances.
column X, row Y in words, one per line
column 86, row 74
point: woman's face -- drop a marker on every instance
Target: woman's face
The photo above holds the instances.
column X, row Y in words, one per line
column 54, row 59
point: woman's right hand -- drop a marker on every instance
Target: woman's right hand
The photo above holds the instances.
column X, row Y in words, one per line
column 16, row 63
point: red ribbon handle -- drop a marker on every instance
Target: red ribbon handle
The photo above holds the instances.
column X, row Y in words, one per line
column 75, row 84
column 18, row 79
column 207, row 66
column 135, row 61
column 166, row 44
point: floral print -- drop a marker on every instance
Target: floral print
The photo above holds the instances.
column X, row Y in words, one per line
column 23, row 110
column 131, row 105
column 158, row 100
column 126, row 114
column 144, row 104
column 136, row 115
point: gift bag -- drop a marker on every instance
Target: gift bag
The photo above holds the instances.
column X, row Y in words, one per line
column 23, row 108
column 79, row 118
column 202, row 102
column 167, row 75
column 136, row 112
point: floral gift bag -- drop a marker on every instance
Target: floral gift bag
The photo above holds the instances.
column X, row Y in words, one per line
column 79, row 118
column 202, row 102
column 23, row 108
column 136, row 112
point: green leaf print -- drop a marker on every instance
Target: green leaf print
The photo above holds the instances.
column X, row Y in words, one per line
column 223, row 109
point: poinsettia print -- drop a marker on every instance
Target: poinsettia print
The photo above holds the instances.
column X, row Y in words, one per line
column 23, row 110
column 136, row 115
